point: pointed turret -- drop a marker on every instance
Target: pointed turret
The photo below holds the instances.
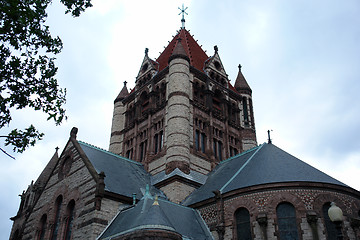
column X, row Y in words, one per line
column 118, row 122
column 178, row 111
column 179, row 52
column 241, row 84
column 123, row 93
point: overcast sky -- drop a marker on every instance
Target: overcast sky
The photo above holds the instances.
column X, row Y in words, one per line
column 300, row 57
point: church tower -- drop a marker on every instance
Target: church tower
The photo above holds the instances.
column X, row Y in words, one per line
column 183, row 117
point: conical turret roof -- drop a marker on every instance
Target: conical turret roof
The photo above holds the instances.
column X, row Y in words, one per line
column 179, row 51
column 123, row 93
column 192, row 49
column 241, row 83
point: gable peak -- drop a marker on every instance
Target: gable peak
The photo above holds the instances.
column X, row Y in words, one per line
column 74, row 132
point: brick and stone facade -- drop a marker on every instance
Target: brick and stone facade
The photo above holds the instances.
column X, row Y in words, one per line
column 179, row 123
column 73, row 178
column 261, row 202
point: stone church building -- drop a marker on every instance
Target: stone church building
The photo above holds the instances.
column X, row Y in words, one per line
column 183, row 163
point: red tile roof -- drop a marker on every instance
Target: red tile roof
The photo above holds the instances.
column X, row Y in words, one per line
column 193, row 50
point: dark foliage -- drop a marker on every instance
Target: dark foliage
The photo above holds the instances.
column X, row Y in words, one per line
column 27, row 67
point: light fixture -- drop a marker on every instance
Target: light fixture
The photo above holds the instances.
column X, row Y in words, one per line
column 336, row 216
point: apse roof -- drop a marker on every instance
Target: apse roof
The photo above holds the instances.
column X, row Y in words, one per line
column 261, row 165
column 193, row 50
column 163, row 214
column 122, row 176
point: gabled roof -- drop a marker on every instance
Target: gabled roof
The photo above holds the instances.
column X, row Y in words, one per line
column 122, row 176
column 166, row 216
column 46, row 173
column 261, row 165
column 193, row 51
column 147, row 64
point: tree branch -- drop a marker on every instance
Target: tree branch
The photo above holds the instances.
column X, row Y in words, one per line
column 7, row 153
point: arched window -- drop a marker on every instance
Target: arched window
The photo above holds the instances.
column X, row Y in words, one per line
column 42, row 227
column 217, row 100
column 245, row 109
column 56, row 226
column 243, row 227
column 144, row 100
column 70, row 219
column 286, row 218
column 329, row 225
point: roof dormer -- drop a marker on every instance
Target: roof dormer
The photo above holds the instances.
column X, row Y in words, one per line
column 215, row 69
column 147, row 70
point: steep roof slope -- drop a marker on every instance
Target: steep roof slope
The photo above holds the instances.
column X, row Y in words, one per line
column 123, row 176
column 261, row 165
column 241, row 83
column 193, row 51
column 166, row 215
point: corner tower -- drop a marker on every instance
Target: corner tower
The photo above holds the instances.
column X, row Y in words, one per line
column 183, row 117
column 178, row 111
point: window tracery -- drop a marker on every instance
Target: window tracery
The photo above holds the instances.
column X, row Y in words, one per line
column 286, row 218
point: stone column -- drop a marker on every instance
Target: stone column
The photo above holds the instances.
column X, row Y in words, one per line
column 262, row 220
column 312, row 220
column 178, row 114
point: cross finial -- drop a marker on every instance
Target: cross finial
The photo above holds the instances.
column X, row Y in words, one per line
column 183, row 16
column 146, row 51
column 125, row 82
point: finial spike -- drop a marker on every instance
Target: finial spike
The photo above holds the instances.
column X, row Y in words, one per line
column 269, row 139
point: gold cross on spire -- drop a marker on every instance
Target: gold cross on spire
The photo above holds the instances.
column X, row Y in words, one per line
column 183, row 16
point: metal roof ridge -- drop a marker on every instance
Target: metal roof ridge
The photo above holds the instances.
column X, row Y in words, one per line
column 112, row 220
column 240, row 154
column 176, row 204
column 110, row 153
column 204, row 226
column 242, row 167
